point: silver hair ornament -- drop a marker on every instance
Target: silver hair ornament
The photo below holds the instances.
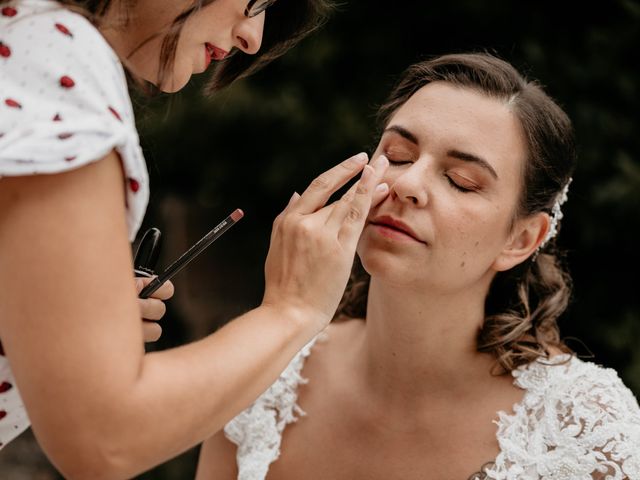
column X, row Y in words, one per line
column 556, row 215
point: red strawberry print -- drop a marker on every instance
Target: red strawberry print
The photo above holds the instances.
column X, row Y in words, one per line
column 10, row 102
column 62, row 29
column 57, row 118
column 9, row 12
column 70, row 159
column 5, row 51
column 134, row 185
column 115, row 113
column 66, row 82
column 5, row 387
column 64, row 136
column 2, row 414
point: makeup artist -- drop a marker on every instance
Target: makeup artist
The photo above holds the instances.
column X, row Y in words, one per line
column 73, row 191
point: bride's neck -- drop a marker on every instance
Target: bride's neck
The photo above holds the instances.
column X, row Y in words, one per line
column 419, row 345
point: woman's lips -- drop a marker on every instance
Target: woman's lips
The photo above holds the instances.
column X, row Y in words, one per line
column 207, row 57
column 394, row 229
column 215, row 53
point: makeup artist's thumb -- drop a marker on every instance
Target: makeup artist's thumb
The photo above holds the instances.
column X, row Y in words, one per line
column 380, row 193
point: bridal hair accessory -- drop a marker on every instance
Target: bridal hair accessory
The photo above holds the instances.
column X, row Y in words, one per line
column 556, row 215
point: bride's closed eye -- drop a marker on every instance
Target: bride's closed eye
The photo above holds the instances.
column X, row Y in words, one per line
column 461, row 183
column 399, row 156
column 397, row 162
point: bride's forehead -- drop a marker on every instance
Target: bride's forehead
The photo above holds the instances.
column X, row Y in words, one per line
column 446, row 99
column 439, row 108
column 449, row 116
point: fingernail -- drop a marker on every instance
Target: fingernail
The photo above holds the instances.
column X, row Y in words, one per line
column 361, row 158
column 293, row 198
column 382, row 188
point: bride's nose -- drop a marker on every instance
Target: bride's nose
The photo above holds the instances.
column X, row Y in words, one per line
column 410, row 185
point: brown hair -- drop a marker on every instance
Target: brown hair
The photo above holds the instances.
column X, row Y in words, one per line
column 288, row 22
column 524, row 303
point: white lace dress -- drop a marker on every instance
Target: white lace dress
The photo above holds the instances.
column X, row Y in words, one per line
column 576, row 421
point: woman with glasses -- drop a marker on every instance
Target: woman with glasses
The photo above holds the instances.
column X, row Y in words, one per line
column 446, row 361
column 73, row 191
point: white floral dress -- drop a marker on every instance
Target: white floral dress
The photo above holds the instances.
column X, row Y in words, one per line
column 576, row 421
column 63, row 104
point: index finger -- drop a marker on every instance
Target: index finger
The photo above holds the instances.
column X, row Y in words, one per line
column 321, row 188
column 359, row 202
column 164, row 292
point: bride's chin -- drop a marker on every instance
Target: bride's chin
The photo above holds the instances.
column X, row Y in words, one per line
column 381, row 268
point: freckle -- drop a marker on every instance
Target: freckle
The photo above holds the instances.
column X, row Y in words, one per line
column 477, row 243
column 462, row 265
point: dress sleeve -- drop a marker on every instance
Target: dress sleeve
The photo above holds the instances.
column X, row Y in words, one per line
column 609, row 419
column 577, row 421
column 589, row 423
column 63, row 99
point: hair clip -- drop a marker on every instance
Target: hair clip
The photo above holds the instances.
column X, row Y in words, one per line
column 556, row 217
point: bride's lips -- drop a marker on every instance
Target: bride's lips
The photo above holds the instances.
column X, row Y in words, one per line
column 394, row 229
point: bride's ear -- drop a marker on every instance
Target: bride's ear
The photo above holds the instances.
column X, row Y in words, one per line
column 526, row 236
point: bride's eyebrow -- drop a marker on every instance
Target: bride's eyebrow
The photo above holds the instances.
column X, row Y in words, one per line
column 464, row 156
column 470, row 157
column 403, row 132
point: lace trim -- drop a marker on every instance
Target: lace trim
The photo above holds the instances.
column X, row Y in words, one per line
column 258, row 430
column 483, row 473
column 576, row 421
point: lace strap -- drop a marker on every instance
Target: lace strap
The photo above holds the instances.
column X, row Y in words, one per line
column 257, row 431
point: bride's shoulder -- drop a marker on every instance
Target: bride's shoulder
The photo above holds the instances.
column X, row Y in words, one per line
column 330, row 350
column 336, row 339
column 344, row 330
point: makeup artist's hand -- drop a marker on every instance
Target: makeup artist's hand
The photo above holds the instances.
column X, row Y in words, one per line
column 153, row 308
column 313, row 245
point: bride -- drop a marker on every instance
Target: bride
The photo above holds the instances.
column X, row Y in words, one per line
column 445, row 359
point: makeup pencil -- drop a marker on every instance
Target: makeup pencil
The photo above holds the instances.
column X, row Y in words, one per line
column 192, row 253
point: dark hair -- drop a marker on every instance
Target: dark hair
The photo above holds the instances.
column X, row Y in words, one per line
column 524, row 303
column 288, row 21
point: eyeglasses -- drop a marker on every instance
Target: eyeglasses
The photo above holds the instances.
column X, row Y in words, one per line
column 256, row 7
